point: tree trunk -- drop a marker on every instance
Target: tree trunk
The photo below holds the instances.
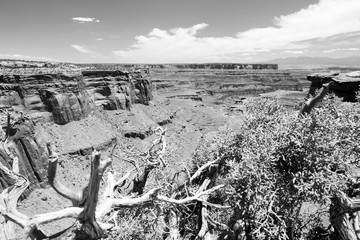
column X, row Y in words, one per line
column 340, row 218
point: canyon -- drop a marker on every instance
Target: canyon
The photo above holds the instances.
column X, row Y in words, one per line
column 80, row 107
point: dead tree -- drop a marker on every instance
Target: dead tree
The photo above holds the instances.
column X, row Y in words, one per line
column 311, row 103
column 344, row 216
column 92, row 213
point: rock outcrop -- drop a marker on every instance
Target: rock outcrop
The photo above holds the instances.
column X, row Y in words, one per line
column 22, row 142
column 345, row 85
column 63, row 98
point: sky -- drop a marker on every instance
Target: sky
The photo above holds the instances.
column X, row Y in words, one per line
column 178, row 31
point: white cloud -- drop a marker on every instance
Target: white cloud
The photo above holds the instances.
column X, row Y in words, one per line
column 82, row 49
column 99, row 39
column 84, row 19
column 341, row 49
column 294, row 51
column 290, row 32
column 25, row 57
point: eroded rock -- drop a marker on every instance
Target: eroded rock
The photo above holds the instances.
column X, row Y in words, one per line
column 23, row 143
column 345, row 86
column 63, row 98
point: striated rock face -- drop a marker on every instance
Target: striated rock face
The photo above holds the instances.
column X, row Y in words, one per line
column 32, row 156
column 209, row 66
column 63, row 98
column 192, row 83
column 346, row 84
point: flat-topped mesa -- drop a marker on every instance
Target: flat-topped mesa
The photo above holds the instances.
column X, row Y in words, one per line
column 63, row 98
column 215, row 66
column 185, row 81
column 345, row 85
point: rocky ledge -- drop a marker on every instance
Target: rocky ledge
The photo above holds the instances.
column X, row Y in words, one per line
column 62, row 98
column 345, row 85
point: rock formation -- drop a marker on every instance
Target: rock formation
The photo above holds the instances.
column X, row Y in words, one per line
column 209, row 66
column 191, row 82
column 63, row 98
column 59, row 98
column 344, row 85
column 20, row 141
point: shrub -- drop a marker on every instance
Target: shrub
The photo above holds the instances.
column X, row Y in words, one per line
column 280, row 163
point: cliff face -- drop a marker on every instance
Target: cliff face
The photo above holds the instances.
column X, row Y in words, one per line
column 64, row 98
column 209, row 66
column 188, row 83
column 23, row 143
column 346, row 85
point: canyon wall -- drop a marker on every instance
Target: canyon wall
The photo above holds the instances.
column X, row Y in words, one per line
column 63, row 98
column 193, row 82
column 209, row 66
column 59, row 98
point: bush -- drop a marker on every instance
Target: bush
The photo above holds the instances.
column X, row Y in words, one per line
column 280, row 163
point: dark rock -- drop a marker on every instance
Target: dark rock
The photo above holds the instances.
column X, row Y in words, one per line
column 345, row 85
column 104, row 73
column 142, row 134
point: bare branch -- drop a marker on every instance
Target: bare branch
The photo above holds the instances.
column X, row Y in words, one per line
column 204, row 213
column 310, row 104
column 112, row 184
column 108, row 204
column 76, row 197
column 87, row 216
column 196, row 197
column 71, row 212
column 339, row 217
column 203, row 168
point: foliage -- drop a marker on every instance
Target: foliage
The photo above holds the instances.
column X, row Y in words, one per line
column 280, row 163
column 140, row 223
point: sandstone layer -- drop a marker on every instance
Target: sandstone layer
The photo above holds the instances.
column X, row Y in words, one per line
column 63, row 98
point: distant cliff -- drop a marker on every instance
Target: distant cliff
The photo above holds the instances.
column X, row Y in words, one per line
column 215, row 66
column 189, row 82
column 63, row 98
